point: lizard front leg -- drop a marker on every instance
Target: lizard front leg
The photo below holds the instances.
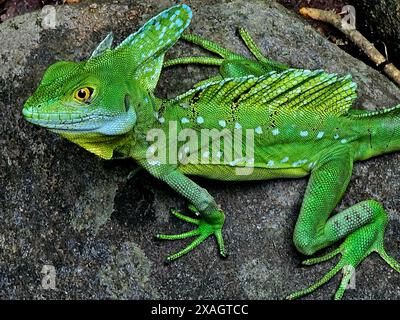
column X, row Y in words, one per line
column 363, row 224
column 211, row 218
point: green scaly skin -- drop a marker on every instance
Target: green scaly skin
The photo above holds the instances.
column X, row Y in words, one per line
column 364, row 223
column 302, row 123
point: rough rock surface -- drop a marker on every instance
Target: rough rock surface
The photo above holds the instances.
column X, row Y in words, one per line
column 62, row 206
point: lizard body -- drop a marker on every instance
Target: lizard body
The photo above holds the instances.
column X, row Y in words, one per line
column 301, row 123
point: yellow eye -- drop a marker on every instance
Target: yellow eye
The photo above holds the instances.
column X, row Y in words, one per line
column 83, row 94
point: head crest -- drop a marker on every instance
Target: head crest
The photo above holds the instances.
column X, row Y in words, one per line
column 103, row 46
column 149, row 44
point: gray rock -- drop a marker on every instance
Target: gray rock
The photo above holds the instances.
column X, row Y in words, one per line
column 62, row 206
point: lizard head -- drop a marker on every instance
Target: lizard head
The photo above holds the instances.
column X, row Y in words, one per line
column 97, row 99
column 77, row 98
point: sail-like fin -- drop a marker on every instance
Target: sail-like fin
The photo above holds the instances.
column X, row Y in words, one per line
column 103, row 46
column 288, row 91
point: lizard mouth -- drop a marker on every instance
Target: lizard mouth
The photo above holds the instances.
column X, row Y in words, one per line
column 75, row 123
column 65, row 121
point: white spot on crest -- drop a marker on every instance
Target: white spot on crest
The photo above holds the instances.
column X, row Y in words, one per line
column 185, row 120
column 235, row 162
column 299, row 163
column 303, row 133
column 200, row 120
column 275, row 132
column 154, row 163
column 320, row 134
column 258, row 130
column 222, row 123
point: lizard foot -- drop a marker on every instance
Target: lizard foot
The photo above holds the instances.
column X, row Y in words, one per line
column 354, row 249
column 210, row 224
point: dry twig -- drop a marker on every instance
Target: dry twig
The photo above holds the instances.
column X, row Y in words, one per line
column 356, row 37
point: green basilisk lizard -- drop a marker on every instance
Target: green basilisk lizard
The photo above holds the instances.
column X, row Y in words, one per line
column 301, row 123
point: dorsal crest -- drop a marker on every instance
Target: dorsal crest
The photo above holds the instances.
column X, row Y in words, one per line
column 288, row 91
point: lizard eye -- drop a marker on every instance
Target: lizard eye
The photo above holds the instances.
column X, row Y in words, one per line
column 83, row 94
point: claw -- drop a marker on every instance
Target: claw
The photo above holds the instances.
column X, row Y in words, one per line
column 389, row 260
column 193, row 209
column 316, row 285
column 189, row 248
column 351, row 257
column 207, row 226
column 348, row 271
column 184, row 235
column 184, row 218
column 220, row 242
column 324, row 258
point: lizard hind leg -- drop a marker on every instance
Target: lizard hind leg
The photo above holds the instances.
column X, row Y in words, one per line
column 232, row 64
column 361, row 225
column 205, row 44
column 357, row 246
column 255, row 50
